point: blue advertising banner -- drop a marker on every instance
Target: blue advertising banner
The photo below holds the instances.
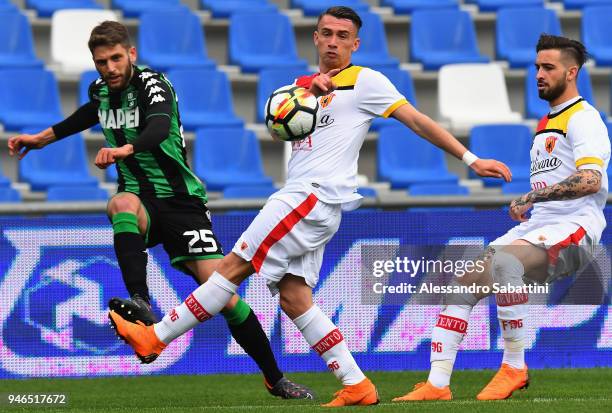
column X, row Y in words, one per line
column 57, row 274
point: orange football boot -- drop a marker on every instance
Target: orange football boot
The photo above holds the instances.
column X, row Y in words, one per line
column 139, row 336
column 426, row 391
column 505, row 382
column 363, row 393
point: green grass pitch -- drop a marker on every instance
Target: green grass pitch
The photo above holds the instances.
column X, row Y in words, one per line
column 562, row 390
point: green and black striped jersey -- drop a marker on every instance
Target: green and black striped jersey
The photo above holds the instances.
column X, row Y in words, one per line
column 163, row 171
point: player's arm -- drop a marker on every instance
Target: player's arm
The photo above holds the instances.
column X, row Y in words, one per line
column 83, row 118
column 157, row 107
column 425, row 127
column 156, row 130
column 582, row 183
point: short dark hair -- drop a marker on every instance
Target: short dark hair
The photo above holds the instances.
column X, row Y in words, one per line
column 109, row 33
column 569, row 47
column 342, row 12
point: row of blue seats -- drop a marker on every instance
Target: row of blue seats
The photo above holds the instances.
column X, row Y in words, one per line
column 403, row 159
column 71, row 193
column 426, row 164
column 30, row 97
column 253, row 46
column 225, row 8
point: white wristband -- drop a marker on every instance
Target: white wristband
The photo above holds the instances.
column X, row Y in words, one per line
column 469, row 158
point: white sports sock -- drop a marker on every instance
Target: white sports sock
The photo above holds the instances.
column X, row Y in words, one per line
column 202, row 304
column 511, row 308
column 445, row 340
column 512, row 325
column 325, row 338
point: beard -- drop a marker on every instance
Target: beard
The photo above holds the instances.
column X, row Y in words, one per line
column 126, row 77
column 552, row 93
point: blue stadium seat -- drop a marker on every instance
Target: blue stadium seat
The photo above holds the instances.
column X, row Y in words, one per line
column 367, row 192
column 7, row 5
column 405, row 159
column 46, row 8
column 28, row 97
column 495, row 5
column 597, row 32
column 86, row 79
column 408, row 6
column 4, row 181
column 580, row 4
column 62, row 163
column 516, row 187
column 404, row 84
column 434, row 47
column 225, row 8
column 272, row 79
column 63, row 193
column 205, row 98
column 509, row 143
column 8, row 194
column 535, row 107
column 255, row 46
column 316, row 7
column 228, row 156
column 437, row 189
column 134, row 8
column 16, row 44
column 180, row 44
column 248, row 191
column 111, row 174
column 517, row 32
column 373, row 50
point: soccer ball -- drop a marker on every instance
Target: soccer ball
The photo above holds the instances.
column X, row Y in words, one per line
column 291, row 113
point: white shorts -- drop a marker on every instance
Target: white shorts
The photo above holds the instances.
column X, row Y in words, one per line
column 288, row 236
column 568, row 245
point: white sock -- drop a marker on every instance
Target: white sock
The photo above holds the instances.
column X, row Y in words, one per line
column 511, row 308
column 325, row 338
column 512, row 325
column 445, row 340
column 202, row 304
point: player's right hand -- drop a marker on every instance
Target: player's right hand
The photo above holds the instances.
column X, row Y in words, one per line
column 323, row 84
column 20, row 145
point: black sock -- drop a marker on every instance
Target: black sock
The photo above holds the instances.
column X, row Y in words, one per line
column 250, row 336
column 131, row 254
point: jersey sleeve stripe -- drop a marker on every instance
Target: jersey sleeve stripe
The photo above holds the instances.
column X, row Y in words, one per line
column 589, row 159
column 392, row 108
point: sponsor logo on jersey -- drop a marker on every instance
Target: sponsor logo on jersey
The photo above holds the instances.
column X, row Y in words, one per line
column 539, row 166
column 145, row 75
column 119, row 118
column 157, row 99
column 549, row 144
column 326, row 100
column 325, row 120
column 155, row 89
column 151, row 82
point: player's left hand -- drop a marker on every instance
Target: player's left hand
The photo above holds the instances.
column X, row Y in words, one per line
column 519, row 208
column 108, row 156
column 492, row 168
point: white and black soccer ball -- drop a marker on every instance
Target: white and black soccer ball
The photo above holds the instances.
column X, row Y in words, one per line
column 291, row 113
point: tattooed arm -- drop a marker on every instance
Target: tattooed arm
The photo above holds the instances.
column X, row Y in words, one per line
column 582, row 183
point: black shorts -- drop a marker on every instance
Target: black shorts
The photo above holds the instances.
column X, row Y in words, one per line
column 183, row 227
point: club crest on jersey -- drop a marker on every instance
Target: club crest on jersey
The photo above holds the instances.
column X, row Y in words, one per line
column 549, row 144
column 326, row 100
